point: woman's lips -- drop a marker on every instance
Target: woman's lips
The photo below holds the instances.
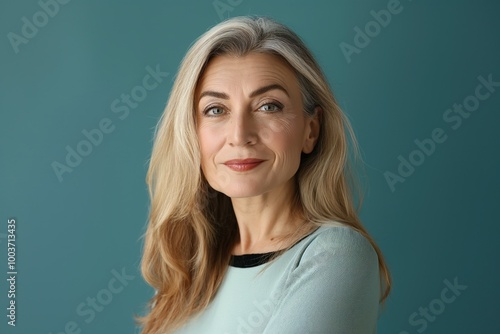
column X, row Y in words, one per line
column 242, row 165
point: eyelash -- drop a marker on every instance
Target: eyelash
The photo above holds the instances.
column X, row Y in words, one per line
column 278, row 105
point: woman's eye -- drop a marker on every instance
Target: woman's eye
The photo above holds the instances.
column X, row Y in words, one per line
column 214, row 111
column 271, row 107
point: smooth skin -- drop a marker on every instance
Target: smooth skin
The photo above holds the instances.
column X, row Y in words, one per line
column 251, row 107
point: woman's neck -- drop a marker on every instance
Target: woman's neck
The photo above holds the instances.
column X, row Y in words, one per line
column 264, row 221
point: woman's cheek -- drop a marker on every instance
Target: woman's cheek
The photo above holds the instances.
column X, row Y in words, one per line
column 283, row 128
column 207, row 145
column 209, row 136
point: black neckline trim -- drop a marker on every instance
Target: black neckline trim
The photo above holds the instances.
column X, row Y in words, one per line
column 254, row 260
column 250, row 260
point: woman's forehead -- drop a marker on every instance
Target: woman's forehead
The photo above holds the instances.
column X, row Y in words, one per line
column 252, row 69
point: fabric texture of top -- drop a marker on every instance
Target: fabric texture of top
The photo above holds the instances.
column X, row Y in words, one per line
column 328, row 282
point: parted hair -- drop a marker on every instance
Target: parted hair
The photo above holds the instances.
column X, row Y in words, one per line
column 191, row 227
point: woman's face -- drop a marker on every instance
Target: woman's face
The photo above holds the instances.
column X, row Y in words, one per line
column 251, row 125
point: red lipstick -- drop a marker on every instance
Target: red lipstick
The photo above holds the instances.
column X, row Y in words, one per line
column 242, row 165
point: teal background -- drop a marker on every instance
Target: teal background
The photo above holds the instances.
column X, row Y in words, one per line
column 440, row 224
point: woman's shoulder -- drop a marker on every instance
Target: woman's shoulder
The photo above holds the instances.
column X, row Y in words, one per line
column 338, row 240
column 340, row 263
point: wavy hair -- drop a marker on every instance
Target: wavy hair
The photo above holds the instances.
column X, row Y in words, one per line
column 192, row 227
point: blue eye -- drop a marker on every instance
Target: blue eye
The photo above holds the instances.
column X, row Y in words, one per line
column 270, row 107
column 214, row 111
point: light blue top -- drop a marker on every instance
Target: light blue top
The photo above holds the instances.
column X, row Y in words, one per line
column 326, row 283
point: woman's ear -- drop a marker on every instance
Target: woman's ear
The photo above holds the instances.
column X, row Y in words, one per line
column 313, row 125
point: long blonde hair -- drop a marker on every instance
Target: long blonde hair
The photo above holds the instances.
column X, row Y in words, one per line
column 192, row 227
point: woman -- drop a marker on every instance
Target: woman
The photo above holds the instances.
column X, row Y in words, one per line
column 253, row 227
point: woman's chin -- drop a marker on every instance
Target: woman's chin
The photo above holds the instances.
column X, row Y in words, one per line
column 243, row 191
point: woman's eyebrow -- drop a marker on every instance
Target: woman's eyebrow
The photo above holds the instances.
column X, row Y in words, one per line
column 219, row 95
column 256, row 92
column 267, row 88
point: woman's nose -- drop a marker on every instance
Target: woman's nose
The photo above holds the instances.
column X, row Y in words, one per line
column 242, row 129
